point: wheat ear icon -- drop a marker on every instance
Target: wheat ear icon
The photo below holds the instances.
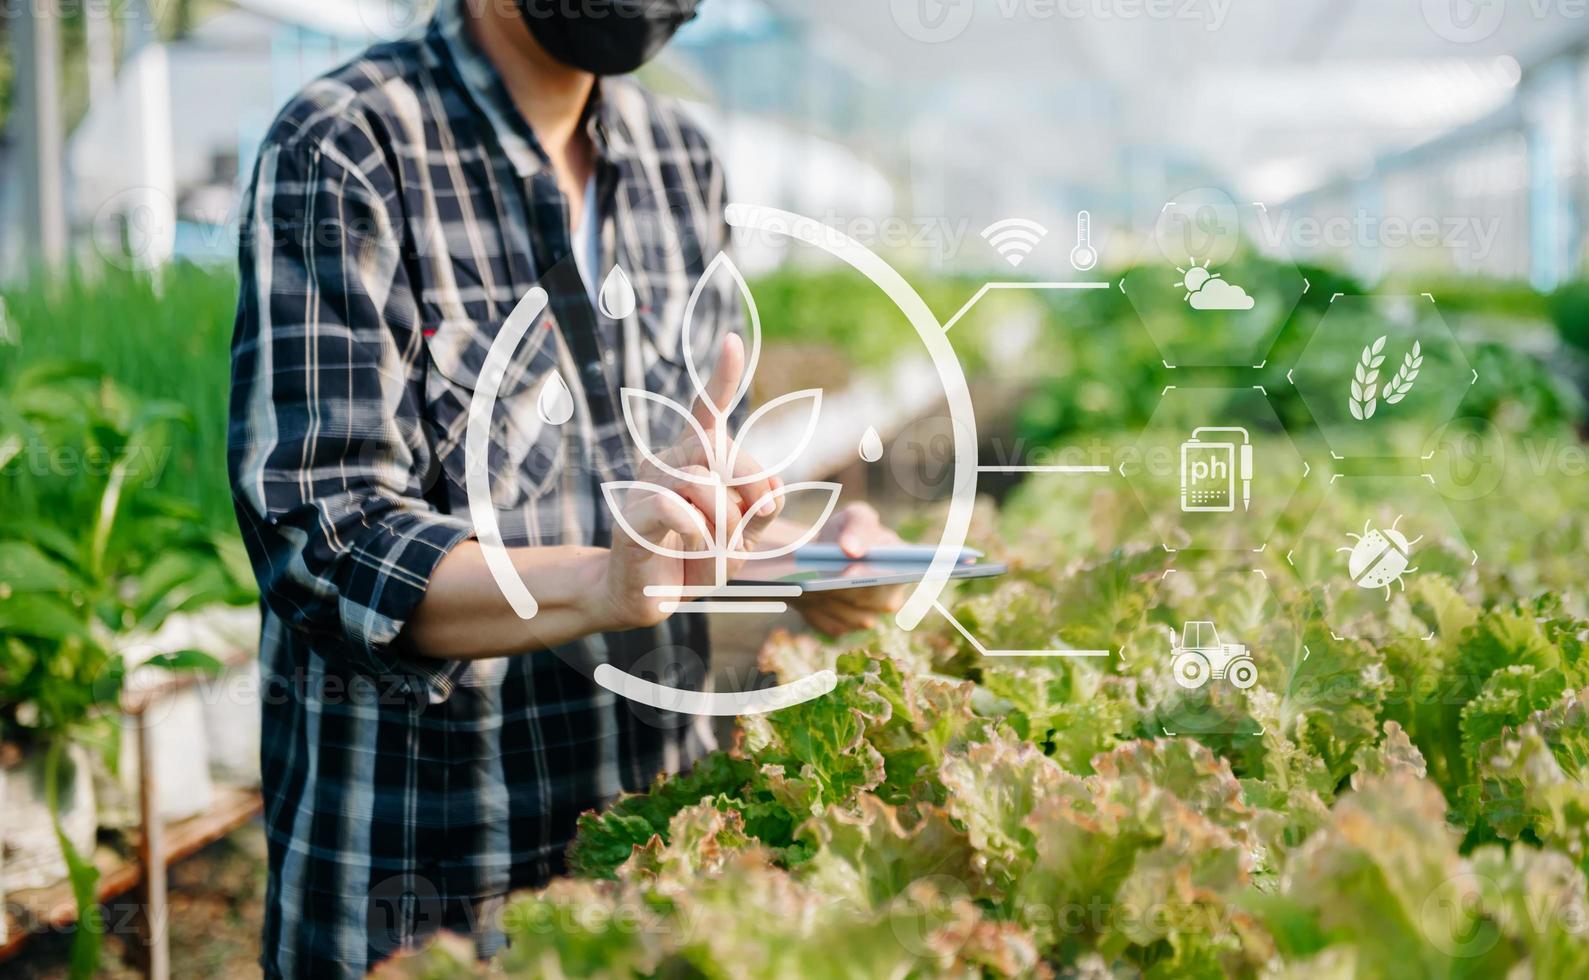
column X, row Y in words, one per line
column 726, row 465
column 1366, row 391
column 1400, row 386
column 1365, row 381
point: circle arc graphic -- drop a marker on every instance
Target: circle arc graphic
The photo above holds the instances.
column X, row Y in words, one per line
column 476, row 453
column 957, row 393
column 923, row 596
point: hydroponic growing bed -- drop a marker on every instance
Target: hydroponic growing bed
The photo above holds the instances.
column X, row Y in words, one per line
column 1415, row 806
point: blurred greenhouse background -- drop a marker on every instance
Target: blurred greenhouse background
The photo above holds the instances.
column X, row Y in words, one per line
column 1390, row 147
column 1354, row 119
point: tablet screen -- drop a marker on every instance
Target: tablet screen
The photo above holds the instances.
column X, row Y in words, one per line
column 817, row 575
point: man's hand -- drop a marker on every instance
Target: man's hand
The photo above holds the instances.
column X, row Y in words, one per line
column 464, row 615
column 856, row 529
column 673, row 526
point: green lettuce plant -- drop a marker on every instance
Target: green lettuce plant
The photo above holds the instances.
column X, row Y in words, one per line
column 1392, row 808
column 89, row 553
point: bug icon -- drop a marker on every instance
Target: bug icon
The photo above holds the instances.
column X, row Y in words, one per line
column 1379, row 557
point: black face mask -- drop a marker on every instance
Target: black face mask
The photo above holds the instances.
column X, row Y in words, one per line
column 604, row 37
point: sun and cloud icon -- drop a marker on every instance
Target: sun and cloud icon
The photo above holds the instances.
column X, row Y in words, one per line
column 1207, row 290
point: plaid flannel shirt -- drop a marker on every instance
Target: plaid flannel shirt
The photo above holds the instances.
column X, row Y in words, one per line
column 400, row 208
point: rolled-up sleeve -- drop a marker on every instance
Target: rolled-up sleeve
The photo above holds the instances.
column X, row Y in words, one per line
column 326, row 453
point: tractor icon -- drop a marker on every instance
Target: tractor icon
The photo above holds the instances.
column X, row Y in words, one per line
column 1200, row 656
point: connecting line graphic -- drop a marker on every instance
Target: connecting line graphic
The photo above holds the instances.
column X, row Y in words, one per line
column 1017, row 285
column 977, row 644
column 983, row 291
column 773, row 607
column 1044, row 469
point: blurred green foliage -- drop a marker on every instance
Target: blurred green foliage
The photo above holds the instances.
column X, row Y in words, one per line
column 132, row 372
column 841, row 309
column 90, row 553
column 161, row 338
column 1092, row 367
column 90, row 548
column 1569, row 309
column 1113, row 373
column 1366, row 802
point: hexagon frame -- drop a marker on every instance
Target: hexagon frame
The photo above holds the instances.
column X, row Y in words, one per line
column 1330, row 611
column 1205, row 519
column 1283, row 295
column 1300, row 654
column 1326, row 391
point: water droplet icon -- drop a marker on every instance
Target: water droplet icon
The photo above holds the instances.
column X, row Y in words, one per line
column 617, row 295
column 555, row 405
column 871, row 445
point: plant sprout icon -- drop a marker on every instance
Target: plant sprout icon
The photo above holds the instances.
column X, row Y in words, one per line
column 723, row 459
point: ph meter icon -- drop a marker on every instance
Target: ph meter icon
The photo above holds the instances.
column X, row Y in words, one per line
column 1212, row 467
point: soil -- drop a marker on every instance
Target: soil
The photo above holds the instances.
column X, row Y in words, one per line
column 217, row 909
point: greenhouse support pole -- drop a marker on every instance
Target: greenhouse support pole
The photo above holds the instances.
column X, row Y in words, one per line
column 153, row 912
column 151, row 190
column 1578, row 189
column 99, row 44
column 38, row 119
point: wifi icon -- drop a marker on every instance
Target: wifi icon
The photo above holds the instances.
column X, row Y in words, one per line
column 1014, row 238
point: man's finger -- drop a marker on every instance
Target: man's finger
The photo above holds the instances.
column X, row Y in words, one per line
column 860, row 529
column 724, row 382
column 833, row 624
column 849, row 620
column 659, row 514
column 881, row 599
column 820, row 622
column 752, row 492
column 698, row 494
column 685, row 453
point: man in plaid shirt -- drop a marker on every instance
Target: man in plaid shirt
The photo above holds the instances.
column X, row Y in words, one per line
column 425, row 750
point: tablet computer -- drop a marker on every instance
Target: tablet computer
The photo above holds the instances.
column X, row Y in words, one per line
column 823, row 567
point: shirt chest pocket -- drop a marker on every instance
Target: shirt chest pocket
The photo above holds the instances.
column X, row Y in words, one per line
column 528, row 433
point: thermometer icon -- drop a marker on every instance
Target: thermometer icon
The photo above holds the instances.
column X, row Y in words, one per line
column 1083, row 256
